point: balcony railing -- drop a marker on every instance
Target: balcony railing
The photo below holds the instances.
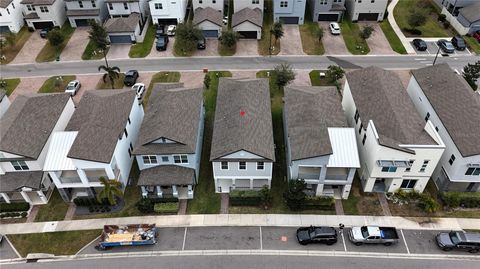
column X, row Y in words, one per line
column 336, row 177
column 68, row 180
column 308, row 176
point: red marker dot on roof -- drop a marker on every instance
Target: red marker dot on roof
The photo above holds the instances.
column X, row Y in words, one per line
column 242, row 113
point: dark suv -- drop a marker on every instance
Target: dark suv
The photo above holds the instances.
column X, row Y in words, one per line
column 460, row 240
column 162, row 42
column 459, row 43
column 130, row 77
column 314, row 234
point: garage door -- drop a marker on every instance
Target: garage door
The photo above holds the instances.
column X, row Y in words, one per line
column 43, row 24
column 327, row 17
column 367, row 16
column 4, row 29
column 210, row 33
column 248, row 34
column 119, row 39
column 167, row 21
column 289, row 20
column 82, row 22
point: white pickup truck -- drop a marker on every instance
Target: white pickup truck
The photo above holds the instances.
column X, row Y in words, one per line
column 373, row 235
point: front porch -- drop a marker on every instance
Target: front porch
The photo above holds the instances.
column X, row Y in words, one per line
column 324, row 173
column 164, row 181
column 173, row 191
column 33, row 187
column 329, row 190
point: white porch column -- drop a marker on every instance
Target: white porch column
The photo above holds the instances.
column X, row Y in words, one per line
column 83, row 176
column 190, row 192
column 251, row 183
column 5, row 197
column 346, row 191
column 42, row 197
column 319, row 190
column 159, row 191
column 109, row 172
column 25, row 197
column 175, row 192
column 55, row 178
column 323, row 173
column 144, row 192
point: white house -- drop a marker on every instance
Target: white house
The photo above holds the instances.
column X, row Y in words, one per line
column 170, row 142
column 41, row 14
column 248, row 23
column 168, row 12
column 242, row 152
column 11, row 17
column 209, row 20
column 97, row 142
column 289, row 11
column 79, row 13
column 128, row 21
column 320, row 148
column 445, row 99
column 398, row 150
column 366, row 10
column 215, row 4
column 327, row 10
column 26, row 132
column 252, row 4
column 4, row 103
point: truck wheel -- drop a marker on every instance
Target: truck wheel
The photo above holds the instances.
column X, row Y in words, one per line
column 387, row 244
column 358, row 244
column 446, row 249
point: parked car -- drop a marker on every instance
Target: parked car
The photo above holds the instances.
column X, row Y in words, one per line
column 476, row 35
column 317, row 234
column 160, row 30
column 446, row 46
column 44, row 32
column 201, row 44
column 459, row 240
column 373, row 235
column 171, row 30
column 334, row 28
column 139, row 88
column 130, row 77
column 458, row 43
column 73, row 87
column 225, row 20
column 162, row 42
column 420, row 44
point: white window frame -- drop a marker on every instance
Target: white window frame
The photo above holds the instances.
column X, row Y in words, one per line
column 158, row 6
column 110, row 6
column 240, row 165
column 261, row 164
column 409, row 180
column 30, row 8
column 180, row 158
column 43, row 9
column 163, row 159
column 21, row 165
column 94, row 4
column 283, row 3
column 80, row 4
column 221, row 165
column 149, row 159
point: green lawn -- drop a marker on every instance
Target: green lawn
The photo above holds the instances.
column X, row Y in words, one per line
column 316, row 80
column 432, row 28
column 473, row 44
column 226, row 51
column 141, row 50
column 91, row 52
column 54, row 84
column 392, row 38
column 57, row 243
column 10, row 52
column 311, row 45
column 10, row 85
column 160, row 77
column 106, row 85
column 360, row 203
column 264, row 43
column 351, row 35
column 54, row 210
column 205, row 200
column 50, row 53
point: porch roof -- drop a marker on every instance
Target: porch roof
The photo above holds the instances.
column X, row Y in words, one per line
column 60, row 145
column 15, row 181
column 344, row 148
column 166, row 175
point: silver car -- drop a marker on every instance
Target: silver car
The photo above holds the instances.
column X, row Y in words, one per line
column 72, row 87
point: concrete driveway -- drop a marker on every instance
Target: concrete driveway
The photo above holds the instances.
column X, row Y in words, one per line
column 118, row 51
column 302, row 78
column 291, row 42
column 76, row 45
column 192, row 79
column 247, row 47
column 31, row 49
column 163, row 53
column 377, row 42
column 210, row 50
column 88, row 82
column 333, row 44
column 28, row 86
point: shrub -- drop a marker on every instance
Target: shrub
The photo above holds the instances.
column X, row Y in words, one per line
column 206, row 81
column 464, row 199
column 318, row 203
column 283, row 74
column 265, row 196
column 295, row 195
column 166, row 208
column 428, row 203
column 366, row 32
column 245, row 198
column 24, row 214
column 145, row 205
column 446, row 24
column 229, row 38
column 14, row 207
column 163, row 200
column 442, row 17
column 412, row 31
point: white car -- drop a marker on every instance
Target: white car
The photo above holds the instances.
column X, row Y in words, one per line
column 225, row 20
column 171, row 30
column 334, row 28
column 73, row 87
column 139, row 88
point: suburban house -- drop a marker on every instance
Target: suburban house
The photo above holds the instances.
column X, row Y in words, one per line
column 215, row 4
column 27, row 131
column 209, row 20
column 128, row 19
column 248, row 22
column 97, row 142
column 464, row 15
column 40, row 14
column 11, row 17
column 79, row 13
column 168, row 12
column 4, row 103
column 289, row 11
column 453, row 6
column 446, row 99
column 398, row 150
column 242, row 152
column 327, row 10
column 366, row 10
column 169, row 146
column 320, row 147
column 252, row 4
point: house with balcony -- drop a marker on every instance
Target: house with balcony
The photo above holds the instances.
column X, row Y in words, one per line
column 242, row 152
column 97, row 142
column 169, row 146
column 217, row 5
column 327, row 10
column 26, row 132
column 80, row 13
column 11, row 17
column 4, row 102
column 289, row 11
column 166, row 12
column 445, row 99
column 366, row 10
column 40, row 14
column 398, row 150
column 128, row 21
column 209, row 20
column 320, row 147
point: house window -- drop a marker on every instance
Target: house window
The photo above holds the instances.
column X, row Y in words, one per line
column 357, row 116
column 93, row 3
column 323, row 2
column 408, row 169
column 452, row 159
column 260, row 165
column 125, row 131
column 110, row 6
column 283, row 4
column 180, row 159
column 149, row 159
column 359, row 1
column 200, row 1
column 472, row 171
column 424, row 166
column 44, row 9
column 242, row 165
column 29, row 8
column 408, row 183
column 224, row 165
column 80, row 4
column 13, row 5
column 436, row 128
column 372, row 1
column 8, row 11
column 360, row 129
column 19, row 165
column 130, row 152
column 158, row 6
column 125, row 5
column 389, row 169
column 255, row 1
column 129, row 121
column 427, row 117
column 364, row 138
column 214, row 1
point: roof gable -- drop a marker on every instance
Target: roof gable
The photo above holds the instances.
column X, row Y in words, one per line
column 208, row 13
column 254, row 16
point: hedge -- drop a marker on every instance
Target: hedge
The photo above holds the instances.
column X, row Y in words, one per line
column 14, row 207
column 166, row 208
column 464, row 199
column 88, row 201
column 318, row 203
column 245, row 198
column 146, row 205
column 13, row 215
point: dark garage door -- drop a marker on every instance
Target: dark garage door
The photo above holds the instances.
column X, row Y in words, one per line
column 119, row 39
column 4, row 29
column 248, row 34
column 167, row 21
column 289, row 20
column 327, row 17
column 367, row 16
column 81, row 22
column 43, row 24
column 210, row 33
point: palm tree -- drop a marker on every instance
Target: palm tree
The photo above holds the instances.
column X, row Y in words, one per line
column 111, row 188
column 277, row 32
column 111, row 72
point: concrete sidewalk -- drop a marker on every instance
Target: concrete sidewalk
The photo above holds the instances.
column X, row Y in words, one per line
column 247, row 220
column 396, row 28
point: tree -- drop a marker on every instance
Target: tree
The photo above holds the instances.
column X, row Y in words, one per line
column 295, row 195
column 335, row 73
column 319, row 33
column 277, row 31
column 55, row 37
column 283, row 74
column 111, row 73
column 471, row 73
column 98, row 36
column 229, row 38
column 187, row 36
column 366, row 32
column 206, row 81
column 416, row 18
column 111, row 188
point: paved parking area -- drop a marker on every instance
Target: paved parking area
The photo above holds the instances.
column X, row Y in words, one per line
column 423, row 242
column 291, row 42
column 203, row 238
column 285, row 238
column 76, row 45
column 31, row 49
column 118, row 51
column 395, row 248
column 246, row 47
column 164, row 53
column 377, row 42
column 210, row 50
column 6, row 250
column 432, row 49
column 333, row 44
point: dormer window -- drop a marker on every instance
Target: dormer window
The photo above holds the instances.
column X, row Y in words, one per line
column 20, row 165
column 125, row 5
column 163, row 140
column 80, row 4
column 93, row 3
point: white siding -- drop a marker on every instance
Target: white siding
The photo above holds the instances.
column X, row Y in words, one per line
column 4, row 105
column 241, row 4
column 171, row 10
column 215, row 4
column 56, row 14
column 354, row 8
column 14, row 20
column 118, row 9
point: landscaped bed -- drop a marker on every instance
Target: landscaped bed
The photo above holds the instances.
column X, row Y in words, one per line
column 310, row 43
column 10, row 52
column 316, row 80
column 431, row 28
column 351, row 35
column 50, row 53
column 361, row 203
column 106, row 85
column 10, row 85
column 141, row 50
column 56, row 84
column 92, row 52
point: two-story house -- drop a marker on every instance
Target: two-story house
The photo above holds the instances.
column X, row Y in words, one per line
column 4, row 102
column 248, row 23
column 242, row 152
column 81, row 12
column 289, row 11
column 366, row 10
column 26, row 132
column 463, row 15
column 445, row 99
column 209, row 20
column 327, row 10
column 97, row 142
column 252, row 4
column 320, row 147
column 398, row 150
column 215, row 4
column 127, row 22
column 11, row 17
column 170, row 142
column 166, row 12
column 40, row 14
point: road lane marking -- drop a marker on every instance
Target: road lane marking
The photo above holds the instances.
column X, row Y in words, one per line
column 420, row 59
column 405, row 241
column 344, row 245
column 184, row 239
column 261, row 240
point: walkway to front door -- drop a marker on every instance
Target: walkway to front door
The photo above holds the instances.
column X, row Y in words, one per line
column 225, row 199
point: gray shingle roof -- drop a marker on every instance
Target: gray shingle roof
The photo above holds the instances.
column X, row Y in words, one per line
column 5, row 3
column 37, row 2
column 29, row 121
column 208, row 13
column 121, row 24
column 173, row 113
column 14, row 181
column 165, row 175
column 310, row 111
column 83, row 12
column 471, row 12
column 243, row 119
column 337, row 7
column 254, row 16
column 100, row 118
column 455, row 103
column 380, row 96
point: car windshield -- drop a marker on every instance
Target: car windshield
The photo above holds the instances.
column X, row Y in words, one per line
column 129, row 73
column 460, row 42
column 335, row 26
column 454, row 238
